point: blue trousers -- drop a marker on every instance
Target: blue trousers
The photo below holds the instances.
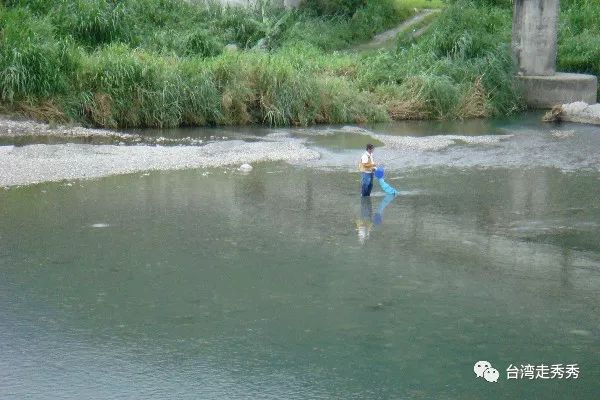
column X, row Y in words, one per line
column 366, row 183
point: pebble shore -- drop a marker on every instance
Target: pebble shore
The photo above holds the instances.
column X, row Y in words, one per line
column 10, row 127
column 35, row 163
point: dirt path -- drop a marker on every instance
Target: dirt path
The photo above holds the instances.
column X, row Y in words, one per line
column 387, row 38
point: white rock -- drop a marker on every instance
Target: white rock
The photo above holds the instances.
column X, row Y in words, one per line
column 245, row 168
column 578, row 111
column 576, row 107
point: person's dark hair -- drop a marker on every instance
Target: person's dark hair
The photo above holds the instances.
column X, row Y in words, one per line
column 370, row 147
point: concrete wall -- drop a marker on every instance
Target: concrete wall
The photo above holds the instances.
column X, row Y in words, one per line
column 561, row 88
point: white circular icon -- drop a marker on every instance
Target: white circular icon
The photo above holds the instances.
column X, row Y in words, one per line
column 491, row 375
column 480, row 367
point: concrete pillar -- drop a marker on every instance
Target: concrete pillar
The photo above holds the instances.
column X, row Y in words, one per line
column 535, row 32
column 534, row 43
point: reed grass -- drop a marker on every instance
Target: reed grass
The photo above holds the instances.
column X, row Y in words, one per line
column 161, row 63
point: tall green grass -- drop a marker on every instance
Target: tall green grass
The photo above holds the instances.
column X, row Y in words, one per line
column 579, row 38
column 33, row 62
column 161, row 63
column 461, row 68
column 334, row 25
column 118, row 87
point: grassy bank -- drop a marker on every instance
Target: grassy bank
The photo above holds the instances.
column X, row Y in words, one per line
column 579, row 38
column 166, row 63
column 163, row 63
column 461, row 68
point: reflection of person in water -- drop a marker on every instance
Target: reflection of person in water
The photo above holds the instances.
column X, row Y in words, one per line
column 378, row 218
column 367, row 220
column 364, row 224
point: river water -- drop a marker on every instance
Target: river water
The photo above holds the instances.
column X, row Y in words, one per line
column 283, row 284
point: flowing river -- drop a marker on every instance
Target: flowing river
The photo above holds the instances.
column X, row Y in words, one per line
column 281, row 283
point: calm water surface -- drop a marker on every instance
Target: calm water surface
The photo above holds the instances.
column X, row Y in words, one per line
column 283, row 284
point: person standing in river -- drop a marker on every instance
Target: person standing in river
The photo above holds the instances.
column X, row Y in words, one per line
column 367, row 167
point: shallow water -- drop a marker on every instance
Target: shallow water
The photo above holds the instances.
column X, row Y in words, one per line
column 283, row 284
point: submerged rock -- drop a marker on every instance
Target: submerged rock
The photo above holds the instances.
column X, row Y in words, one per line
column 578, row 111
column 562, row 134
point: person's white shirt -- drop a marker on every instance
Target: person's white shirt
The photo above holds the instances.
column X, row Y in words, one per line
column 365, row 158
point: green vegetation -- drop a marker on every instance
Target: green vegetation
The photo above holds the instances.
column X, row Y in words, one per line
column 161, row 63
column 339, row 30
column 579, row 37
column 405, row 38
column 462, row 68
column 165, row 63
column 419, row 4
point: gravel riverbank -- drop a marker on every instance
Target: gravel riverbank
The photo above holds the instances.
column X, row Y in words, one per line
column 10, row 127
column 34, row 163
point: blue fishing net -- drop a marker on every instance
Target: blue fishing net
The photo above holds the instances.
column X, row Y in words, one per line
column 386, row 187
column 379, row 172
